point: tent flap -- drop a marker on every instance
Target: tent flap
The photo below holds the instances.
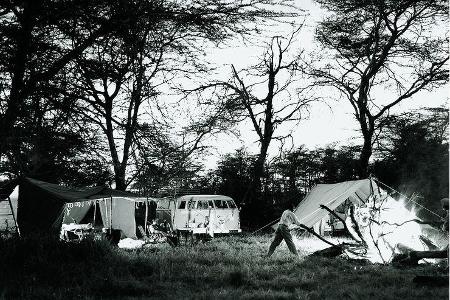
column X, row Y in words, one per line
column 119, row 213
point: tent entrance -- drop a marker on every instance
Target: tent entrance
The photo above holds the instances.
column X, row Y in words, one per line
column 93, row 216
column 145, row 214
column 331, row 225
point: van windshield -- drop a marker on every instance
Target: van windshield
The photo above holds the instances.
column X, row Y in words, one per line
column 221, row 203
column 231, row 204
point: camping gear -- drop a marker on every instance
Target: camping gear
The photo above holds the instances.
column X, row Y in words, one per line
column 44, row 207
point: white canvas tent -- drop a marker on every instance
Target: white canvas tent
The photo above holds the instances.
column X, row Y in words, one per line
column 38, row 206
column 311, row 214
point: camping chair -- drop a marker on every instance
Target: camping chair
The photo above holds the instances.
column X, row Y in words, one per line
column 159, row 235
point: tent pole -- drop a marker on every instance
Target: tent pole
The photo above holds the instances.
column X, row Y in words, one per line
column 356, row 193
column 174, row 210
column 106, row 213
column 14, row 217
column 110, row 213
column 372, row 191
column 95, row 212
column 146, row 215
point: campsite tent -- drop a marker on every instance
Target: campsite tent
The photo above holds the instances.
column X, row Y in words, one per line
column 311, row 214
column 9, row 195
column 44, row 207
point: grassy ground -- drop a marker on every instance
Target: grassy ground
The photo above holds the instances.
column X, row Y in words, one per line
column 225, row 268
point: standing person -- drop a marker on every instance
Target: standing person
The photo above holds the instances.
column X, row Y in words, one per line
column 283, row 232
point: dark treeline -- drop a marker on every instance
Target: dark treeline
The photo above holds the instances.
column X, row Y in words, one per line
column 412, row 158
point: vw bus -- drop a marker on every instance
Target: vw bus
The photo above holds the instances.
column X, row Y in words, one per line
column 210, row 213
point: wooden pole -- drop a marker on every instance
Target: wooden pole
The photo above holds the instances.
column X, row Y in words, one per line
column 310, row 230
column 95, row 212
column 110, row 213
column 175, row 204
column 106, row 212
column 146, row 215
column 412, row 258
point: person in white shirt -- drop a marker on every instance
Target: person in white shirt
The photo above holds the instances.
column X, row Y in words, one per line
column 288, row 218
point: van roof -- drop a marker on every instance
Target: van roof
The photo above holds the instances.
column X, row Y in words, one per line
column 204, row 197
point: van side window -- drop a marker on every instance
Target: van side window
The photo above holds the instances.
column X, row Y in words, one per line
column 211, row 204
column 231, row 204
column 202, row 204
column 182, row 204
column 220, row 203
column 191, row 204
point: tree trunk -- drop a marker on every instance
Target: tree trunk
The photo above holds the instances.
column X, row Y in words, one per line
column 258, row 170
column 252, row 209
column 16, row 95
column 412, row 257
column 119, row 171
column 364, row 157
column 119, row 178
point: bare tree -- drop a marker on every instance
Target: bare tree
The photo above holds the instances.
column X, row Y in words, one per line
column 277, row 74
column 383, row 52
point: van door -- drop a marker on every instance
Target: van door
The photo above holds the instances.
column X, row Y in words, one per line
column 222, row 216
column 200, row 213
column 181, row 216
column 234, row 221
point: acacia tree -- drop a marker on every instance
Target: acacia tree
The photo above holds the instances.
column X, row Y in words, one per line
column 119, row 83
column 53, row 144
column 42, row 39
column 120, row 76
column 38, row 39
column 384, row 52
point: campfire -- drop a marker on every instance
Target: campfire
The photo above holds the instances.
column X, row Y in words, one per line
column 387, row 229
column 384, row 230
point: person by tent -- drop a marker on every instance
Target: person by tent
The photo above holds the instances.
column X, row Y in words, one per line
column 282, row 232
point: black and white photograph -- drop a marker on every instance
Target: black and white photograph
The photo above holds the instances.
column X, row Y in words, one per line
column 224, row 149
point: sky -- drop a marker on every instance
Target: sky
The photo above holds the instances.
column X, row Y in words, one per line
column 328, row 123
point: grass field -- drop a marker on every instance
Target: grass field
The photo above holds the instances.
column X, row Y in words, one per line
column 224, row 268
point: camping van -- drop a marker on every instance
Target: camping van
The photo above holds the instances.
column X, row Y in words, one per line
column 216, row 212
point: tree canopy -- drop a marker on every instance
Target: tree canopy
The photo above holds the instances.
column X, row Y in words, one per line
column 384, row 53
